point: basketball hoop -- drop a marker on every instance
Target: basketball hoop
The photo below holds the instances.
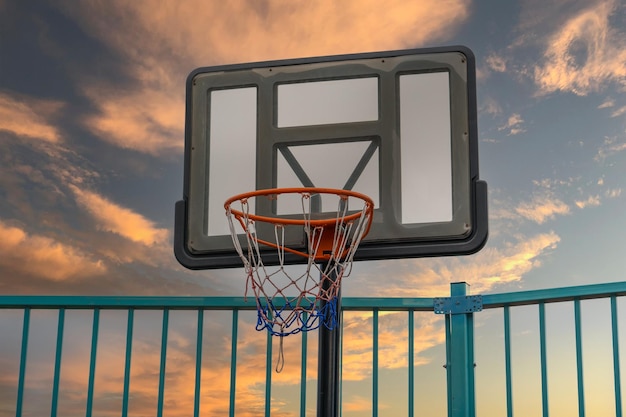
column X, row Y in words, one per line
column 289, row 303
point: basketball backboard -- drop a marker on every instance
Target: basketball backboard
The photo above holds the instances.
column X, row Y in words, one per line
column 398, row 126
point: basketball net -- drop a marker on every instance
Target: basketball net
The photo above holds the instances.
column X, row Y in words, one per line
column 290, row 302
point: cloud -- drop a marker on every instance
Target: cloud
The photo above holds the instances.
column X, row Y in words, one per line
column 149, row 121
column 246, row 30
column 38, row 175
column 609, row 102
column 493, row 266
column 613, row 192
column 356, row 403
column 392, row 341
column 496, row 63
column 43, row 256
column 619, row 112
column 585, row 53
column 35, row 160
column 28, row 117
column 610, row 146
column 496, row 266
column 593, row 200
column 513, row 125
column 113, row 218
column 147, row 113
column 542, row 208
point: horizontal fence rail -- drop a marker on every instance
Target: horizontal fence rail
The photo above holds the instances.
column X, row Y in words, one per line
column 411, row 310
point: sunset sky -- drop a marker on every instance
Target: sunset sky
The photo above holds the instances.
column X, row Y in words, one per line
column 92, row 100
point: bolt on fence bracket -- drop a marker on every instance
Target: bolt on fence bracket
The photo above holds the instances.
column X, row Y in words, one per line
column 458, row 304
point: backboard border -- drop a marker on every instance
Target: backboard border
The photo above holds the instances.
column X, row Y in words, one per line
column 389, row 249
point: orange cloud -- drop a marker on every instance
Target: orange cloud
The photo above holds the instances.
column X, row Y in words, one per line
column 148, row 115
column 28, row 117
column 356, row 403
column 585, row 53
column 149, row 121
column 119, row 220
column 542, row 208
column 431, row 277
column 242, row 31
column 493, row 267
column 43, row 256
column 593, row 200
column 392, row 341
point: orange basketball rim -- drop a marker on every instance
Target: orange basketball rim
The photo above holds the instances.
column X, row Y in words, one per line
column 332, row 237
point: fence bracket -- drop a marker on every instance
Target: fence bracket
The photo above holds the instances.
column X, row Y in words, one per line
column 461, row 304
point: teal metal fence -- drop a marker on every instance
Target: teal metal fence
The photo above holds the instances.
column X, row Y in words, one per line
column 456, row 325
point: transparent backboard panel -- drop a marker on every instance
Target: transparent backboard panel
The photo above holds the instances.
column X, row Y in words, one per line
column 232, row 162
column 398, row 126
column 425, row 140
column 327, row 102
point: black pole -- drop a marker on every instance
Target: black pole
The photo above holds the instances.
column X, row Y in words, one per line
column 328, row 360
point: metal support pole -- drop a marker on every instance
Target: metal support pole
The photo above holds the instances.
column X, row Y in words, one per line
column 328, row 363
column 460, row 354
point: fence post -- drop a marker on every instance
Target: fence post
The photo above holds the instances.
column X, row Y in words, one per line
column 460, row 355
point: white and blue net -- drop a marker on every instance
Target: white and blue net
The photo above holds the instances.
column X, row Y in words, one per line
column 291, row 302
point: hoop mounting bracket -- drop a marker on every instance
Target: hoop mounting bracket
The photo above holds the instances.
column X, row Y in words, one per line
column 458, row 304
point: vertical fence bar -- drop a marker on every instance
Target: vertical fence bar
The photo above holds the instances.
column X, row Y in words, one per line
column 129, row 349
column 92, row 360
column 616, row 367
column 375, row 364
column 411, row 361
column 579, row 359
column 462, row 358
column 507, row 361
column 233, row 363
column 57, row 364
column 164, row 330
column 268, row 373
column 340, row 363
column 199, row 337
column 303, row 359
column 24, row 351
column 448, row 365
column 543, row 355
column 471, row 382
